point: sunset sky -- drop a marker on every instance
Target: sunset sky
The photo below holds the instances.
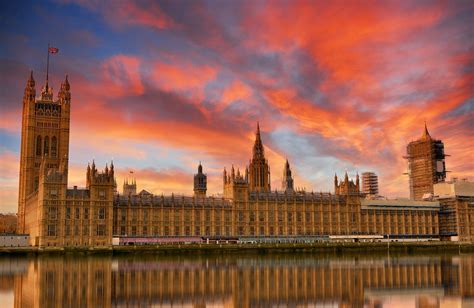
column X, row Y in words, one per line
column 160, row 86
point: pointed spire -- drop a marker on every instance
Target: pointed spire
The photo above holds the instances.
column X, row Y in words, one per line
column 346, row 178
column 67, row 87
column 31, row 80
column 258, row 151
column 287, row 171
column 426, row 134
column 200, row 168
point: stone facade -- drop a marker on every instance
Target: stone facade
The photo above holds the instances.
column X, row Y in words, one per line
column 457, row 210
column 55, row 215
column 48, row 211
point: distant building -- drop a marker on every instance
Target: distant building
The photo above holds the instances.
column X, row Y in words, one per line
column 457, row 210
column 130, row 187
column 426, row 165
column 370, row 184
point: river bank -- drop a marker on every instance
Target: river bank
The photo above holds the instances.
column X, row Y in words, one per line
column 393, row 247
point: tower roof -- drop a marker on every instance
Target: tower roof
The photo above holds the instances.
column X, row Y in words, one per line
column 426, row 134
column 31, row 80
column 287, row 170
column 258, row 151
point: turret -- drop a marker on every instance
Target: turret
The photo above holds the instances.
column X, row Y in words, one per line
column 346, row 187
column 130, row 187
column 94, row 177
column 200, row 183
column 287, row 182
column 30, row 91
column 64, row 94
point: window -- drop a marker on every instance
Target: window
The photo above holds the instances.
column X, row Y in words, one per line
column 54, row 145
column 53, row 213
column 124, row 213
column 101, row 230
column 122, row 230
column 68, row 213
column 134, row 230
column 51, row 230
column 46, row 146
column 101, row 213
column 68, row 229
column 53, row 193
column 86, row 213
column 101, row 194
column 77, row 213
column 38, row 146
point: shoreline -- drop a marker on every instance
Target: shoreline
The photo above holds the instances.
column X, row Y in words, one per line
column 338, row 248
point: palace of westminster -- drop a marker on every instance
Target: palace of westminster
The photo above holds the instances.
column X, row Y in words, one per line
column 54, row 215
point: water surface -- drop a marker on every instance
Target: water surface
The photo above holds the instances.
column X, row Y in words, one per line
column 287, row 279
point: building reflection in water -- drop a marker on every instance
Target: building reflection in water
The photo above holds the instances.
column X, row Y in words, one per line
column 235, row 281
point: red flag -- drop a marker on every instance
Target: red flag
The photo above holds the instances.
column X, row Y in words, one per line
column 53, row 50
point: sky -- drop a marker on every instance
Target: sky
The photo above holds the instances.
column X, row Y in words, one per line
column 158, row 86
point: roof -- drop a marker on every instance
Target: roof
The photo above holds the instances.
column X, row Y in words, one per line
column 397, row 204
column 78, row 193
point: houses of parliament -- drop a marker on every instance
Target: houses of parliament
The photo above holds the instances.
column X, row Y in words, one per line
column 248, row 209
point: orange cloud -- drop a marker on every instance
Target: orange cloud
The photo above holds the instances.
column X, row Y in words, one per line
column 236, row 91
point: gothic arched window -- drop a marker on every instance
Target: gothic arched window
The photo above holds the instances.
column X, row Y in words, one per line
column 38, row 146
column 54, row 145
column 46, row 146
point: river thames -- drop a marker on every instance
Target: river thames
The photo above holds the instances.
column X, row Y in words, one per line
column 256, row 280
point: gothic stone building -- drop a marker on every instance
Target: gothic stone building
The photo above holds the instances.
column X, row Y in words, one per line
column 55, row 215
column 249, row 208
column 48, row 211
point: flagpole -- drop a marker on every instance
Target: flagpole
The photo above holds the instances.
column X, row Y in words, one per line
column 47, row 69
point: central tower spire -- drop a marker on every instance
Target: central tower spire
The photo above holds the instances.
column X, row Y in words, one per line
column 259, row 171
